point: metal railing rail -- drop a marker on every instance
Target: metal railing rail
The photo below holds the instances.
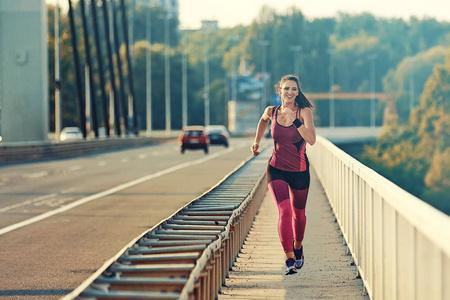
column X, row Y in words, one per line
column 400, row 244
column 189, row 254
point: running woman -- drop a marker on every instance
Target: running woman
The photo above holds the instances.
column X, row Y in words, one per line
column 288, row 169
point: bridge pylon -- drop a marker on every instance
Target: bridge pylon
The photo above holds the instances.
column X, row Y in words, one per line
column 24, row 106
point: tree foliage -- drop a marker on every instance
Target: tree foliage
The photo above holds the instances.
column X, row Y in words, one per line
column 407, row 81
column 353, row 37
column 417, row 156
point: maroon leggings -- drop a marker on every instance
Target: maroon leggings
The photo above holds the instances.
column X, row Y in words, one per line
column 292, row 186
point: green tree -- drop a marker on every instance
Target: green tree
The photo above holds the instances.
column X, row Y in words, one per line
column 348, row 25
column 354, row 37
column 353, row 66
column 157, row 18
column 418, row 68
column 417, row 156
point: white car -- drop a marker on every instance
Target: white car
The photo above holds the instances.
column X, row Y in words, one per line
column 217, row 134
column 71, row 134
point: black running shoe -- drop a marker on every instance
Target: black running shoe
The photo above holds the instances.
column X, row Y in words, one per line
column 299, row 258
column 290, row 268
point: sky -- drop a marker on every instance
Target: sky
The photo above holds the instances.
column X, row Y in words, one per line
column 230, row 13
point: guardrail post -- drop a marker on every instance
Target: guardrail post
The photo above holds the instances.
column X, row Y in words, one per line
column 245, row 225
column 197, row 288
column 226, row 257
column 223, row 265
column 236, row 239
column 233, row 246
column 241, row 232
column 203, row 285
column 217, row 273
column 209, row 291
column 219, row 270
column 213, row 278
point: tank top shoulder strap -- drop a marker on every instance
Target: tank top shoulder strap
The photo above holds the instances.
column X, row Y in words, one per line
column 274, row 110
column 298, row 112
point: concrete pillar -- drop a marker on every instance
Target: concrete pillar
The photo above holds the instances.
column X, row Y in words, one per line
column 24, row 102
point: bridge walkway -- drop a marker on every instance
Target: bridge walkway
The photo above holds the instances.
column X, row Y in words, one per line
column 328, row 272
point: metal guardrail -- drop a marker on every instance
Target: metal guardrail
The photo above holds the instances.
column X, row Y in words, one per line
column 189, row 254
column 44, row 150
column 400, row 244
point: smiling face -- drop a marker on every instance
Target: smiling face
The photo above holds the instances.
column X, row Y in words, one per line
column 288, row 92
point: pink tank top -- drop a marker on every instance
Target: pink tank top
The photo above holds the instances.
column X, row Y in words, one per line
column 289, row 147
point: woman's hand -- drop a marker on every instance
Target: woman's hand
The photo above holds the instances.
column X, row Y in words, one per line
column 262, row 126
column 254, row 149
column 289, row 114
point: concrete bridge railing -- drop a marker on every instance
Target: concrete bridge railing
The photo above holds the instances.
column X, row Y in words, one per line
column 34, row 151
column 400, row 244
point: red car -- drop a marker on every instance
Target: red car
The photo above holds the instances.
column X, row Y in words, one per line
column 194, row 137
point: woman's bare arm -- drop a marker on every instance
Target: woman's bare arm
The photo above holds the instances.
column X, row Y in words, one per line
column 262, row 126
column 308, row 130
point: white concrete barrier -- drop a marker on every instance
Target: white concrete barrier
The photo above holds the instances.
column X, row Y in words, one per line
column 34, row 151
column 400, row 244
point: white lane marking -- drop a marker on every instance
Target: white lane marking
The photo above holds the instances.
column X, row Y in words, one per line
column 27, row 202
column 56, row 201
column 45, row 201
column 35, row 175
column 102, row 163
column 113, row 190
column 124, row 160
column 142, row 156
column 71, row 189
column 75, row 168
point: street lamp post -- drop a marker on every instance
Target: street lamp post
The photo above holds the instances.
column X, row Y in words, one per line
column 57, row 75
column 331, row 78
column 263, row 45
column 131, row 99
column 167, row 70
column 372, row 58
column 100, row 68
column 206, row 80
column 131, row 28
column 76, row 58
column 296, row 50
column 148, row 71
column 234, row 78
column 184, row 97
column 133, row 109
column 89, row 79
column 114, row 97
column 87, row 90
column 234, row 70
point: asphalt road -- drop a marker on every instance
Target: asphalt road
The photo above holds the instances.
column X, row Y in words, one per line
column 61, row 220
